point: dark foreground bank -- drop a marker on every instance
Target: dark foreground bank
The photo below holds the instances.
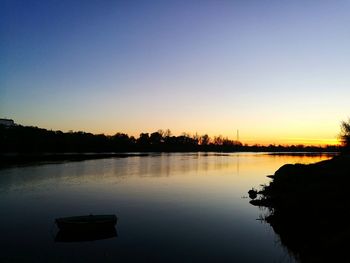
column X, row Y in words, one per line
column 308, row 207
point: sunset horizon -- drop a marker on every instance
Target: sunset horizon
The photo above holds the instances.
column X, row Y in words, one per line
column 276, row 72
column 235, row 135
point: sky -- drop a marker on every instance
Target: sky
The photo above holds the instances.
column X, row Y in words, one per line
column 278, row 71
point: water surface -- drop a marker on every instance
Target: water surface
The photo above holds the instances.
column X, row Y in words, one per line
column 177, row 207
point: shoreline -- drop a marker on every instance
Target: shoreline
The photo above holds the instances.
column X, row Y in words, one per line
column 308, row 205
column 15, row 159
column 18, row 159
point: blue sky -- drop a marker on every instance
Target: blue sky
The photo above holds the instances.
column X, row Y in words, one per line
column 276, row 70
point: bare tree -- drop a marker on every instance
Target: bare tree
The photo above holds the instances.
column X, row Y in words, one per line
column 167, row 133
column 345, row 133
column 204, row 139
column 218, row 140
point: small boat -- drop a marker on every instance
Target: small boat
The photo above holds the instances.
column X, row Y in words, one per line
column 88, row 222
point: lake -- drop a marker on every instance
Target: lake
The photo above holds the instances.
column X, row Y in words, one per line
column 171, row 207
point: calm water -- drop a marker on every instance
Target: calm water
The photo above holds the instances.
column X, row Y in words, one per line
column 171, row 208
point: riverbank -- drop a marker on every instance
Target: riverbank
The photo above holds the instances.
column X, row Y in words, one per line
column 7, row 160
column 308, row 205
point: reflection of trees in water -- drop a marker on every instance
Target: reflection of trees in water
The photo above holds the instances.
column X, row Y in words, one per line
column 51, row 176
column 167, row 164
column 115, row 169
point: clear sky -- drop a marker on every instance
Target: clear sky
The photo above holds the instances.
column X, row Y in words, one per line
column 279, row 71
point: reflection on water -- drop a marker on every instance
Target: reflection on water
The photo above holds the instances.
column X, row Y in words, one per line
column 83, row 236
column 172, row 207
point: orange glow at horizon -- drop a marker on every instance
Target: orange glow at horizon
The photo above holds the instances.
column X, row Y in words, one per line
column 253, row 140
column 251, row 131
column 300, row 141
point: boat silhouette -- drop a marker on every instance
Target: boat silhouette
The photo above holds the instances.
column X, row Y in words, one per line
column 92, row 222
column 85, row 228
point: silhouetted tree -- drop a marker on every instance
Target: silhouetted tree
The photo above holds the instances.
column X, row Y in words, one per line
column 218, row 140
column 204, row 139
column 143, row 139
column 167, row 133
column 23, row 139
column 156, row 138
column 122, row 142
column 345, row 135
column 167, row 137
column 227, row 142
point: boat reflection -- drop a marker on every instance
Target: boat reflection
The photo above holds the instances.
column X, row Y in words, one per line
column 81, row 236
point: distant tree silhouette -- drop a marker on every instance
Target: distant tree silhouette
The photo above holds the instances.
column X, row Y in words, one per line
column 204, row 139
column 196, row 138
column 167, row 133
column 143, row 139
column 156, row 138
column 24, row 139
column 122, row 141
column 345, row 135
column 218, row 140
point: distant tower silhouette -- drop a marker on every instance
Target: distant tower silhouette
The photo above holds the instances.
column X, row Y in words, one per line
column 237, row 135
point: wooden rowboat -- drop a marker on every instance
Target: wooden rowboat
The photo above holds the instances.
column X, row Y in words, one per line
column 88, row 222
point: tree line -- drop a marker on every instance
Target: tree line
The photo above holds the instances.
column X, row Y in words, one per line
column 345, row 135
column 25, row 139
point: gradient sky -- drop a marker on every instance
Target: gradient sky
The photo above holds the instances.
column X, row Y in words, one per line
column 279, row 71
